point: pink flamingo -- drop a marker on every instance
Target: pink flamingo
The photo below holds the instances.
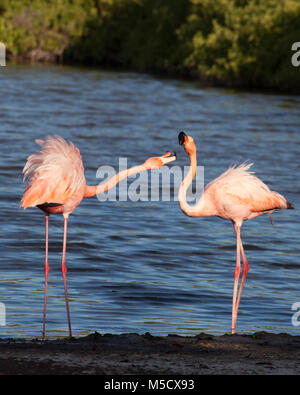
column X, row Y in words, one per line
column 236, row 195
column 56, row 184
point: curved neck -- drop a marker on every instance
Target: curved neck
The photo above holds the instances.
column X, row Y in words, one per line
column 202, row 208
column 184, row 205
column 92, row 190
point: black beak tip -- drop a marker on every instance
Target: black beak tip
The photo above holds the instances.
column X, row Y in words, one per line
column 181, row 138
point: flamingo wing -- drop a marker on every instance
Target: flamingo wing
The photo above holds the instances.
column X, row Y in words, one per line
column 53, row 174
column 239, row 190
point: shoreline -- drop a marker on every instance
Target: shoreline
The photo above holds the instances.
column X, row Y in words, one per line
column 260, row 353
column 41, row 57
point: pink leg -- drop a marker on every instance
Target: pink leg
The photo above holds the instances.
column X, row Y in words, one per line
column 64, row 271
column 46, row 275
column 236, row 280
column 245, row 271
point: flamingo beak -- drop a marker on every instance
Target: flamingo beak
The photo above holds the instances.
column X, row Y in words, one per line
column 168, row 157
column 182, row 138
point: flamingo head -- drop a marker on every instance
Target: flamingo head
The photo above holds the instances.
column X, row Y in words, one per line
column 187, row 142
column 157, row 162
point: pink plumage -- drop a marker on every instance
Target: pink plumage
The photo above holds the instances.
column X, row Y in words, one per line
column 56, row 184
column 239, row 195
column 54, row 175
column 236, row 195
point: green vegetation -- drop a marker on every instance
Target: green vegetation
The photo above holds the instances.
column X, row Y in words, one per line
column 232, row 42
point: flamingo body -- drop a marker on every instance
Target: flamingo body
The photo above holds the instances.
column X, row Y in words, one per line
column 236, row 195
column 56, row 184
column 55, row 177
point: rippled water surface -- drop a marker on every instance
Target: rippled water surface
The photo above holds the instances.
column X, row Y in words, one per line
column 144, row 266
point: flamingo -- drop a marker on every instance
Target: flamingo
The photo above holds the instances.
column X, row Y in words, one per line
column 56, row 184
column 236, row 195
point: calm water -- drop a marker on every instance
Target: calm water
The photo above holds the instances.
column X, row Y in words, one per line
column 145, row 266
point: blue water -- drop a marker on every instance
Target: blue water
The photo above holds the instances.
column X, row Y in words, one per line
column 145, row 266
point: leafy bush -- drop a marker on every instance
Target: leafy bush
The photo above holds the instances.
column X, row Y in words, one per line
column 233, row 42
column 247, row 42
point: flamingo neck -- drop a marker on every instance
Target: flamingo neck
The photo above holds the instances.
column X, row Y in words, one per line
column 92, row 190
column 198, row 209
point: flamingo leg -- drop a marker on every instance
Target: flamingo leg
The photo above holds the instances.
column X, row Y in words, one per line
column 46, row 276
column 236, row 279
column 245, row 271
column 64, row 271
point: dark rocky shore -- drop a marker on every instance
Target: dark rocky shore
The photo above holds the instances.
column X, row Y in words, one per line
column 259, row 353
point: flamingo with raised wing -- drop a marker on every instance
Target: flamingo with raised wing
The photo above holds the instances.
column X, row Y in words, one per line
column 56, row 184
column 236, row 195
